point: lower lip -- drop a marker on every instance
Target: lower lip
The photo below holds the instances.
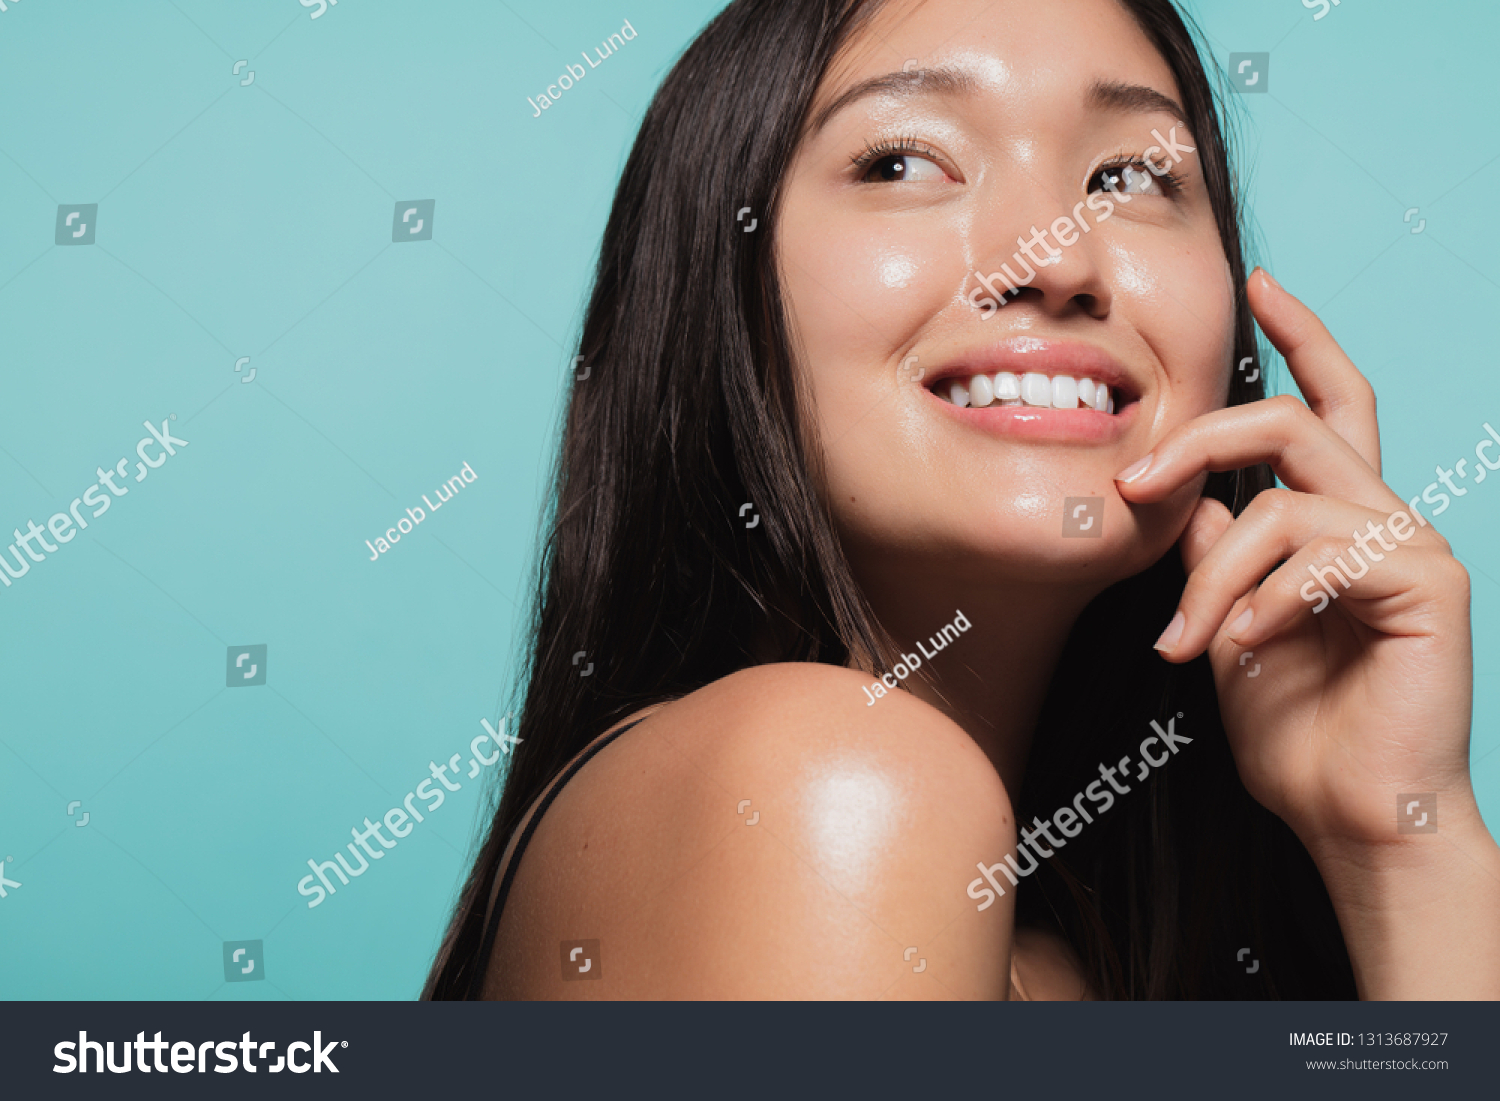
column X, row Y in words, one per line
column 1032, row 423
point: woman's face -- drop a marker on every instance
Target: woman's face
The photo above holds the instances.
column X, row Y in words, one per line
column 951, row 138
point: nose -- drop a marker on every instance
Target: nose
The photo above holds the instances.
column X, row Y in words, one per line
column 1039, row 255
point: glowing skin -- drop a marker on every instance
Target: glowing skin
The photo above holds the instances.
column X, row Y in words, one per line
column 897, row 270
column 870, row 819
column 1009, row 159
column 938, row 506
column 854, row 814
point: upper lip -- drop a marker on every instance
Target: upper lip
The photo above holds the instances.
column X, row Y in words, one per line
column 1024, row 354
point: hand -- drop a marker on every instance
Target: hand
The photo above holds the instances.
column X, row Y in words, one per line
column 1369, row 697
column 1359, row 698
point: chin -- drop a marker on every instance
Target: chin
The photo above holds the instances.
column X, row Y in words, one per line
column 1012, row 550
column 1036, row 556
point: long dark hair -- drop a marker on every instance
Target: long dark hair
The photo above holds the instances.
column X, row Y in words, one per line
column 690, row 408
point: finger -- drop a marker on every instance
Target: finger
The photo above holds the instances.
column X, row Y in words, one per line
column 1334, row 387
column 1305, row 453
column 1399, row 596
column 1275, row 526
column 1209, row 521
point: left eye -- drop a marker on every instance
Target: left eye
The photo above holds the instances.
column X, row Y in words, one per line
column 1128, row 179
column 899, row 167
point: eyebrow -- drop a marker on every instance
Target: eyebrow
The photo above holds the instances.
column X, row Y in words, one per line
column 1103, row 95
column 946, row 82
column 1113, row 95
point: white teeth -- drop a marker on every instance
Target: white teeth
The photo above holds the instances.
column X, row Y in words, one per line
column 1064, row 392
column 1033, row 389
column 1036, row 389
column 981, row 391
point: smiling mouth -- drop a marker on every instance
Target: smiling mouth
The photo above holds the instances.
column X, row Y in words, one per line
column 1033, row 390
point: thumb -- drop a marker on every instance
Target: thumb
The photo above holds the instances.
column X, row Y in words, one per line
column 1209, row 521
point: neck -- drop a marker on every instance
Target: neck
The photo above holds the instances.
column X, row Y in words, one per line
column 992, row 679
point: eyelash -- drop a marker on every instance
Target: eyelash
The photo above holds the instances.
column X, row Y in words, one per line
column 1170, row 181
column 911, row 146
column 899, row 147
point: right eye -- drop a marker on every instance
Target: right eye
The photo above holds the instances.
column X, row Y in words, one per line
column 904, row 160
column 899, row 167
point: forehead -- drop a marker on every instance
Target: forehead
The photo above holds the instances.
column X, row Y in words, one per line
column 1034, row 57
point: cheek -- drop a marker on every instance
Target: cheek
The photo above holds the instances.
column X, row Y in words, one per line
column 896, row 268
column 857, row 297
column 858, row 301
column 1181, row 302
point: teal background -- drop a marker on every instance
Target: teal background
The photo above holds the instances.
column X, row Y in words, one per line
column 256, row 221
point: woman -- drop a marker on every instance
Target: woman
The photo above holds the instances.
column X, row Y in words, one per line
column 913, row 507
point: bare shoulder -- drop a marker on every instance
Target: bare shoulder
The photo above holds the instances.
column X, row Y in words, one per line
column 771, row 835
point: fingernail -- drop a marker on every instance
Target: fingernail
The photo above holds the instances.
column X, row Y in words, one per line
column 1271, row 279
column 1241, row 623
column 1134, row 470
column 1168, row 641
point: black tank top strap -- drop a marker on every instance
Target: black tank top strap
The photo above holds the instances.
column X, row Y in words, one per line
column 476, row 980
